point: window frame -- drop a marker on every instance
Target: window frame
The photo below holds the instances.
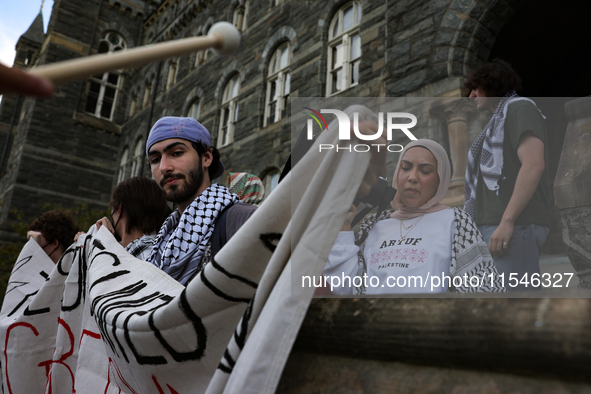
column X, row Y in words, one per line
column 173, row 70
column 229, row 104
column 133, row 105
column 241, row 8
column 123, row 165
column 271, row 180
column 280, row 75
column 137, row 159
column 197, row 103
column 104, row 82
column 343, row 38
column 147, row 95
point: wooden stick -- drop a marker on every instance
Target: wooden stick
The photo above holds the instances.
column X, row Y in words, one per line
column 69, row 70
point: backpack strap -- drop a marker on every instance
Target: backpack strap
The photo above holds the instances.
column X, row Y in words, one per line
column 219, row 237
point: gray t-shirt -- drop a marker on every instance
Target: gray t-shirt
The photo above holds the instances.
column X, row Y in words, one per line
column 237, row 215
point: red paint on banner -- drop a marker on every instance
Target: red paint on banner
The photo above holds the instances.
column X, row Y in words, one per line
column 90, row 334
column 160, row 390
column 120, row 376
column 6, row 346
column 49, row 363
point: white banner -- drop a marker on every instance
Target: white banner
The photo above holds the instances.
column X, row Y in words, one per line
column 101, row 321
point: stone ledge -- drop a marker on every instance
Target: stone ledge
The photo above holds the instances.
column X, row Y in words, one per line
column 97, row 123
column 542, row 337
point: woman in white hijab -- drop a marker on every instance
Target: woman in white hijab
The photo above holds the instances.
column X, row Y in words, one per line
column 422, row 246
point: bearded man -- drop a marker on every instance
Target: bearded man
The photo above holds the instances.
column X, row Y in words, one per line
column 184, row 163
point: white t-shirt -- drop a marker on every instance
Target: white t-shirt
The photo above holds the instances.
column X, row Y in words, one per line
column 396, row 265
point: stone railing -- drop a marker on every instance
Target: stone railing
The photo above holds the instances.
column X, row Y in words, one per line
column 572, row 188
column 443, row 345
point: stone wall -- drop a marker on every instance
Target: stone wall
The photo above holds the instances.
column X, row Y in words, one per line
column 458, row 344
column 62, row 154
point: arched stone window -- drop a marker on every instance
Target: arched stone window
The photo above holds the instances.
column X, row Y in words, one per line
column 138, row 158
column 344, row 49
column 123, row 166
column 130, row 166
column 271, row 180
column 172, row 73
column 133, row 105
column 240, row 16
column 194, row 109
column 104, row 89
column 229, row 112
column 199, row 56
column 278, row 84
column 147, row 94
column 206, row 52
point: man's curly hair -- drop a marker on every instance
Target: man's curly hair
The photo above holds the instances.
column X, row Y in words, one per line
column 58, row 225
column 496, row 78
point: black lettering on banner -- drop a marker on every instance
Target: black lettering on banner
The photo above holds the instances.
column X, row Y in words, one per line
column 229, row 360
column 383, row 245
column 81, row 276
column 218, row 292
column 109, row 277
column 392, row 242
column 141, row 359
column 33, row 312
column 23, row 301
column 21, row 263
column 126, row 305
column 15, row 285
column 198, row 326
column 268, row 240
column 417, row 241
column 100, row 312
column 98, row 244
column 59, row 264
column 217, row 266
column 239, row 338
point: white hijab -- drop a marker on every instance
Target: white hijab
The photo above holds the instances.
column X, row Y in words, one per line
column 404, row 212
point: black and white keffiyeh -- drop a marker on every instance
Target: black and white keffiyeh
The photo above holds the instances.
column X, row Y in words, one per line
column 486, row 153
column 183, row 239
column 469, row 255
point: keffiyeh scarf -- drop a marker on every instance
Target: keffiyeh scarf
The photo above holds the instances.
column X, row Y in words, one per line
column 486, row 153
column 183, row 239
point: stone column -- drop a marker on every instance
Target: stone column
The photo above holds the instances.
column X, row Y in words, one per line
column 572, row 188
column 454, row 112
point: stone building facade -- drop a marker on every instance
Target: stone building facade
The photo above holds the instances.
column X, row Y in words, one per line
column 75, row 147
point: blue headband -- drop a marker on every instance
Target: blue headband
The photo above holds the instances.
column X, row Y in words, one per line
column 185, row 128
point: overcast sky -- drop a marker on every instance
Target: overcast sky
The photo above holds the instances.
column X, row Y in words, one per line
column 15, row 19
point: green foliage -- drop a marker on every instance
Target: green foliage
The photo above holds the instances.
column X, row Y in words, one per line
column 84, row 215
